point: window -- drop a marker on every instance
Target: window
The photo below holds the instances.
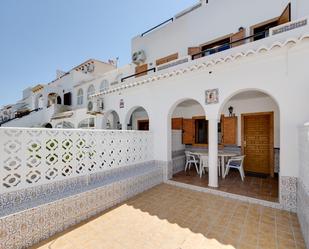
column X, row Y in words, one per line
column 104, row 85
column 64, row 125
column 216, row 47
column 80, row 97
column 91, row 91
column 86, row 123
column 201, row 131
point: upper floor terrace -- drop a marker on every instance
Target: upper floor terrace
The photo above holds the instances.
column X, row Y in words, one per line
column 221, row 51
column 207, row 24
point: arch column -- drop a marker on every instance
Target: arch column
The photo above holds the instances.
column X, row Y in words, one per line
column 213, row 152
column 161, row 130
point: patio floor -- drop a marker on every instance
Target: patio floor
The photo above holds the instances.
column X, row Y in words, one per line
column 168, row 217
column 256, row 187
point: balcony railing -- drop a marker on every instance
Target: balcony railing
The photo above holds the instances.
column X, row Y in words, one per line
column 225, row 46
column 159, row 25
column 138, row 74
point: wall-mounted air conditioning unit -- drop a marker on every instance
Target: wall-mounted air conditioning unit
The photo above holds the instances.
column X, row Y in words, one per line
column 139, row 57
column 95, row 106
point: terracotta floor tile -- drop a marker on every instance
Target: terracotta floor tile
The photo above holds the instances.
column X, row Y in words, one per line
column 168, row 217
column 260, row 188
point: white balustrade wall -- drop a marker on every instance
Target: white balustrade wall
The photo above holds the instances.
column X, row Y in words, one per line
column 32, row 157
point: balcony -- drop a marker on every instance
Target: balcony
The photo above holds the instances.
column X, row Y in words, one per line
column 264, row 41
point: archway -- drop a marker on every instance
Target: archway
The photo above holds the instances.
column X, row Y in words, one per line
column 137, row 119
column 52, row 99
column 39, row 101
column 59, row 100
column 48, row 126
column 250, row 126
column 111, row 121
column 189, row 132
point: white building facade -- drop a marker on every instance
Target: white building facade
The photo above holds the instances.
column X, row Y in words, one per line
column 254, row 57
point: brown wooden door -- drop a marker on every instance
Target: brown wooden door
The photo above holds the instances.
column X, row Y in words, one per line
column 141, row 70
column 188, row 135
column 285, row 16
column 143, row 125
column 229, row 130
column 258, row 143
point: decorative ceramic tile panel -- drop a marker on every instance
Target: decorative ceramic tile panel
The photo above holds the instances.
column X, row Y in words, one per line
column 30, row 226
column 303, row 183
column 33, row 157
column 288, row 192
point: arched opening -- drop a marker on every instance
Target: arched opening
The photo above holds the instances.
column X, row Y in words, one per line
column 87, row 123
column 90, row 91
column 248, row 137
column 59, row 100
column 104, row 85
column 48, row 126
column 137, row 119
column 250, row 126
column 39, row 102
column 52, row 99
column 80, row 96
column 64, row 125
column 111, row 121
column 189, row 132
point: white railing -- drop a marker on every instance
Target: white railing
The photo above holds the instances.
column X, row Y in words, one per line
column 32, row 157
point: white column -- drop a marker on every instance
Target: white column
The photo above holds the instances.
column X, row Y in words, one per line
column 213, row 152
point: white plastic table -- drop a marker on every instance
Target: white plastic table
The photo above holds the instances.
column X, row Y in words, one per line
column 222, row 154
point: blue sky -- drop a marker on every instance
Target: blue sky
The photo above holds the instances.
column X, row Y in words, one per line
column 38, row 37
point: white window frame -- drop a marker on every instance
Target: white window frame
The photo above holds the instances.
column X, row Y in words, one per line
column 90, row 91
column 80, row 96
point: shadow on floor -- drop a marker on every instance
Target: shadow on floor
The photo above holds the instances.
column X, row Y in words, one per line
column 168, row 217
column 264, row 188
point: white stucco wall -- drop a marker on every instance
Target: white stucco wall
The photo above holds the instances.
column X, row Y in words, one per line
column 281, row 73
column 206, row 24
column 255, row 105
column 177, row 140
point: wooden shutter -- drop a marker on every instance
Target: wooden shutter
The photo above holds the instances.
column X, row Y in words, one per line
column 140, row 69
column 195, row 50
column 188, row 136
column 167, row 59
column 177, row 123
column 238, row 36
column 229, row 125
column 285, row 16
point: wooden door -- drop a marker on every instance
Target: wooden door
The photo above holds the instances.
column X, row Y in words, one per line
column 229, row 130
column 141, row 70
column 188, row 135
column 143, row 125
column 238, row 36
column 285, row 16
column 257, row 142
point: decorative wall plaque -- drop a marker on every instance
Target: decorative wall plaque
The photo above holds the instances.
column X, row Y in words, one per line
column 212, row 96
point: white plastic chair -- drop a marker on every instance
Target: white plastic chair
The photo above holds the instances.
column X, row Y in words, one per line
column 191, row 158
column 236, row 163
column 203, row 164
